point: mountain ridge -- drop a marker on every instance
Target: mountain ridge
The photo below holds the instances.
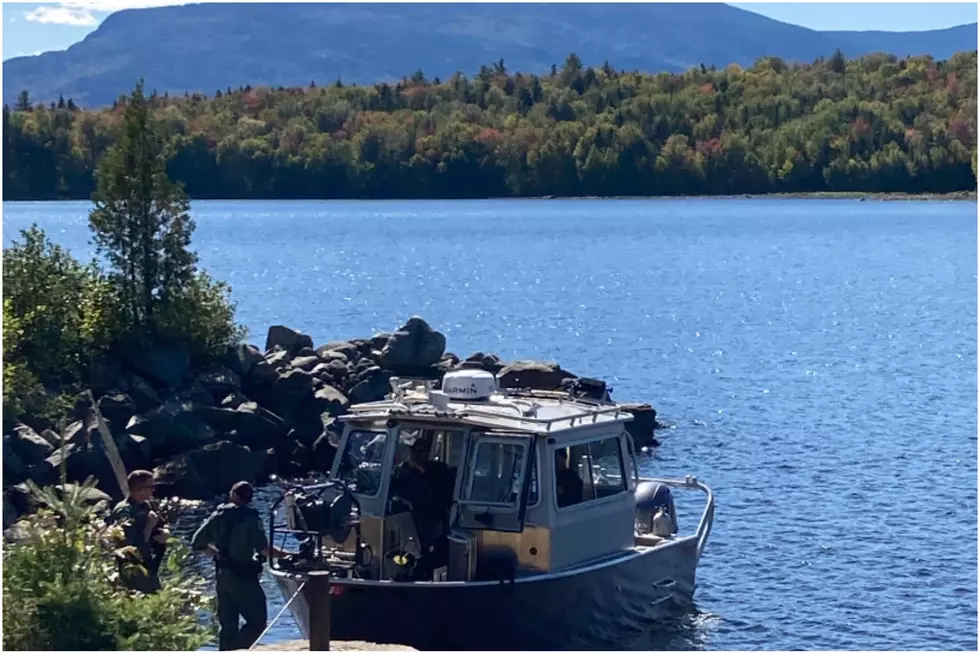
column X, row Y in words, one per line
column 200, row 48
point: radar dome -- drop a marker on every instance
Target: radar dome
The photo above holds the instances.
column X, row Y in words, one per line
column 469, row 385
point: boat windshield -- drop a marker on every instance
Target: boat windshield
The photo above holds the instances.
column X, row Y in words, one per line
column 362, row 461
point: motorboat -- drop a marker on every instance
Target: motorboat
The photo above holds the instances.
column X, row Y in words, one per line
column 468, row 516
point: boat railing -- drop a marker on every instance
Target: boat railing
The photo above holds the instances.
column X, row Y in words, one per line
column 707, row 515
column 590, row 414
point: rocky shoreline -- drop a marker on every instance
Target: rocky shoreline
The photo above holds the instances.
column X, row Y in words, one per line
column 245, row 414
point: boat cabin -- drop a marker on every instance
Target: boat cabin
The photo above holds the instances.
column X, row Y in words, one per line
column 472, row 483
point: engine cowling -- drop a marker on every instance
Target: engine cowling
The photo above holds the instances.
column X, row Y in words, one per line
column 654, row 504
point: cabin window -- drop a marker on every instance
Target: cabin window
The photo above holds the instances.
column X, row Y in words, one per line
column 589, row 471
column 608, row 474
column 497, row 475
column 362, row 462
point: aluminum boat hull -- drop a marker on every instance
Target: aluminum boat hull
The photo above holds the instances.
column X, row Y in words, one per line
column 602, row 606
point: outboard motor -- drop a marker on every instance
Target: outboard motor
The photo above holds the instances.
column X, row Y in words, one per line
column 314, row 515
column 655, row 511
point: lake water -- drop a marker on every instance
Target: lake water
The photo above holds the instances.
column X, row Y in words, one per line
column 818, row 357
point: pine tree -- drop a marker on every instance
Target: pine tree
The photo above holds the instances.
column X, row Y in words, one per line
column 23, row 101
column 140, row 222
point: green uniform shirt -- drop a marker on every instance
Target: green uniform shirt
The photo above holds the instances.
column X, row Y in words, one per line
column 236, row 531
column 132, row 517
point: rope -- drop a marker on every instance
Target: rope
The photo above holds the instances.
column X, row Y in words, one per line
column 281, row 612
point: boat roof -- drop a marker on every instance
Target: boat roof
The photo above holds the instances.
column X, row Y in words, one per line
column 517, row 411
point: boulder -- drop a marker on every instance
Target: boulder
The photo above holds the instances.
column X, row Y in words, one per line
column 219, row 380
column 205, row 472
column 51, row 437
column 372, row 385
column 28, row 445
column 289, row 392
column 263, row 373
column 252, row 425
column 379, row 340
column 240, row 358
column 481, row 361
column 178, row 477
column 278, row 358
column 323, row 404
column 222, row 464
column 233, row 400
column 144, row 395
column 85, row 460
column 306, row 363
column 172, row 428
column 117, row 407
column 533, row 374
column 290, row 340
column 163, row 363
column 336, row 349
column 415, row 345
column 15, row 470
column 196, row 394
column 643, row 424
column 306, row 351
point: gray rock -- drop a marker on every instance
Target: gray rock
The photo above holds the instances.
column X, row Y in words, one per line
column 224, row 463
column 263, row 373
column 288, row 392
column 415, row 345
column 172, row 428
column 479, row 360
column 233, row 400
column 253, row 425
column 240, row 358
column 144, row 395
column 289, row 339
column 178, row 477
column 306, row 363
column 219, row 380
column 372, row 385
column 278, row 358
column 51, row 437
column 15, row 470
column 28, row 445
column 338, row 347
column 117, row 407
column 533, row 374
column 643, row 424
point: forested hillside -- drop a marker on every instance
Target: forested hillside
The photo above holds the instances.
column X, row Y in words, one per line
column 877, row 124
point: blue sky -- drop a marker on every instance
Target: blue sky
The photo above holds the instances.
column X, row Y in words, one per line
column 30, row 28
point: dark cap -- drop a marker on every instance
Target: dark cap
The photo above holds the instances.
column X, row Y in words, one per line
column 243, row 490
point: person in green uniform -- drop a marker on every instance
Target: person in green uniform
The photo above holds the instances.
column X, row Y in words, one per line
column 234, row 536
column 145, row 534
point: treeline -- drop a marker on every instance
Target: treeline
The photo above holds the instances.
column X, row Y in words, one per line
column 874, row 124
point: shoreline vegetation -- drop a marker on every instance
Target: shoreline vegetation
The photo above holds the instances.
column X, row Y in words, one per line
column 875, row 125
column 954, row 196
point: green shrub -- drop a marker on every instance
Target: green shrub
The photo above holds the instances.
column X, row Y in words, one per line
column 60, row 590
column 201, row 315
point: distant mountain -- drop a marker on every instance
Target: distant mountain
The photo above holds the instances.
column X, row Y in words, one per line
column 206, row 47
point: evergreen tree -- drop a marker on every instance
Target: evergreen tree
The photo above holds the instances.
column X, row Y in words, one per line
column 23, row 101
column 140, row 221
